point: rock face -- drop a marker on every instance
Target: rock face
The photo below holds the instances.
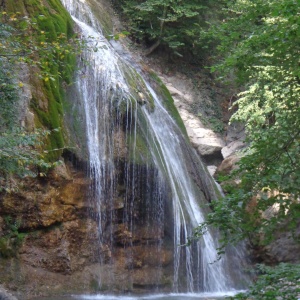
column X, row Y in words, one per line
column 44, row 229
column 285, row 248
column 207, row 143
column 46, row 202
column 50, row 240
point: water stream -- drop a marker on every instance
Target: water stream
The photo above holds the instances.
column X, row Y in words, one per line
column 171, row 296
column 146, row 178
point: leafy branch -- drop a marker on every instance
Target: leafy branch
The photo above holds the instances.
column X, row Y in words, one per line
column 258, row 43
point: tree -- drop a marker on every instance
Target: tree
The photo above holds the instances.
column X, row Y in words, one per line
column 260, row 43
column 172, row 24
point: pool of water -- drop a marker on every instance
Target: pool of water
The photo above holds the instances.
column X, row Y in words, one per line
column 189, row 296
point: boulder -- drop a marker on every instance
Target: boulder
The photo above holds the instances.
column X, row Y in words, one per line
column 284, row 248
column 231, row 148
column 227, row 165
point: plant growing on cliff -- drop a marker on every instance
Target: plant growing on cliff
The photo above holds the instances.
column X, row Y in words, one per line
column 31, row 40
column 21, row 155
column 12, row 238
column 45, row 42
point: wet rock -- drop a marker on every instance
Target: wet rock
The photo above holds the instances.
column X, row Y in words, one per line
column 5, row 295
column 120, row 147
column 153, row 256
column 122, row 235
column 147, row 278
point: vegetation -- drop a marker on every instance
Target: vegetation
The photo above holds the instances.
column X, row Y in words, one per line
column 12, row 239
column 280, row 282
column 18, row 153
column 174, row 25
column 259, row 46
column 20, row 156
column 44, row 41
column 259, row 41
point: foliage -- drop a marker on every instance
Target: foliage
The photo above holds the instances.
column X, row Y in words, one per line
column 8, row 94
column 259, row 42
column 274, row 283
column 20, row 155
column 174, row 24
column 41, row 35
column 12, row 239
column 213, row 122
column 23, row 40
column 20, row 151
column 44, row 41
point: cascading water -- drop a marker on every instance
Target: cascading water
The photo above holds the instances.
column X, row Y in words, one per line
column 147, row 183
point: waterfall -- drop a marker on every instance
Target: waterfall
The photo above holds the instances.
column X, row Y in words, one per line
column 148, row 187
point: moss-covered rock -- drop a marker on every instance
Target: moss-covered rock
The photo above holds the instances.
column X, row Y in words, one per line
column 48, row 95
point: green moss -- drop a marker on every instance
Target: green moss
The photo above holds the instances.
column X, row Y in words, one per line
column 51, row 119
column 5, row 249
column 168, row 102
column 12, row 240
column 15, row 6
column 138, row 149
column 56, row 21
column 138, row 89
column 33, row 6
